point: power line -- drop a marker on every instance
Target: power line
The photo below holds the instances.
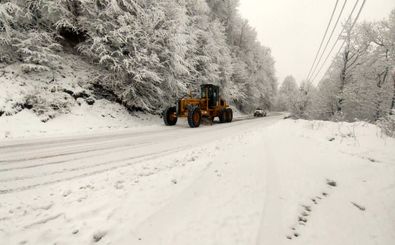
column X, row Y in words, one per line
column 330, row 37
column 338, row 38
column 323, row 38
column 338, row 52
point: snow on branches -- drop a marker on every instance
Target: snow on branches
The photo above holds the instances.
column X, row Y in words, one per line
column 153, row 51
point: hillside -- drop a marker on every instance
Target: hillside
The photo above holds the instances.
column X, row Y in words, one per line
column 143, row 54
column 61, row 102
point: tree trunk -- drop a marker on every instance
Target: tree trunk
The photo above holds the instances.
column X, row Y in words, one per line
column 393, row 97
column 381, row 80
column 342, row 80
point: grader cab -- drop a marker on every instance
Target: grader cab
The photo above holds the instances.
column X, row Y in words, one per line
column 210, row 105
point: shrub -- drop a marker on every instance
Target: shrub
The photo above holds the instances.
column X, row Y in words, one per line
column 387, row 125
column 48, row 105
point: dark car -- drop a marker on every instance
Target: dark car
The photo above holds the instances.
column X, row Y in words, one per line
column 260, row 113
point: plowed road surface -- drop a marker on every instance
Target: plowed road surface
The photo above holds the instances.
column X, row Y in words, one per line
column 170, row 185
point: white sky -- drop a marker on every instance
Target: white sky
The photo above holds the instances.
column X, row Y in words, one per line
column 293, row 29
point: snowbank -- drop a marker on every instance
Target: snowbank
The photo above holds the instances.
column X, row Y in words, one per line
column 103, row 116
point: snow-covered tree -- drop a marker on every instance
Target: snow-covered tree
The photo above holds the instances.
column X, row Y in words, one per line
column 151, row 52
column 287, row 94
column 302, row 104
column 360, row 85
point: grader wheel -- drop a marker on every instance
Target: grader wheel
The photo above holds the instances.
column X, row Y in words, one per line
column 222, row 116
column 194, row 117
column 170, row 117
column 229, row 115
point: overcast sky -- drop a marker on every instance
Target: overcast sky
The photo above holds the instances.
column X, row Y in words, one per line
column 293, row 29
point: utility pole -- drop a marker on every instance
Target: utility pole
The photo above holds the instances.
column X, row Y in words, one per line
column 346, row 59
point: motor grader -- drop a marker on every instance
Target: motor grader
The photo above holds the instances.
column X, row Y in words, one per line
column 209, row 106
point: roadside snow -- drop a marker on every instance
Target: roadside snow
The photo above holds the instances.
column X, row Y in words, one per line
column 54, row 103
column 103, row 116
column 309, row 157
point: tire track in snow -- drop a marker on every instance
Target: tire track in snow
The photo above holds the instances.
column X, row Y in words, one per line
column 118, row 145
column 168, row 151
column 269, row 218
column 43, row 221
column 142, row 158
column 67, row 141
column 112, row 150
column 9, row 162
column 77, row 152
column 76, row 159
column 89, row 146
column 54, row 144
column 61, row 171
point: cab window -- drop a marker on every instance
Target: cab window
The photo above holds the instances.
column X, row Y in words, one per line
column 204, row 93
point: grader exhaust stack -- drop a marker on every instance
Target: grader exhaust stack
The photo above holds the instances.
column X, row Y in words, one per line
column 210, row 105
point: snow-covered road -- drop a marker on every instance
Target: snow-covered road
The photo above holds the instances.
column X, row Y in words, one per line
column 261, row 181
column 51, row 180
column 31, row 164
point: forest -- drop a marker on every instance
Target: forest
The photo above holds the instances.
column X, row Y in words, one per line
column 150, row 52
column 358, row 86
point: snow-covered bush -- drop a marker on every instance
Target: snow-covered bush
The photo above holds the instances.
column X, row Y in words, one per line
column 28, row 68
column 387, row 125
column 37, row 48
column 47, row 105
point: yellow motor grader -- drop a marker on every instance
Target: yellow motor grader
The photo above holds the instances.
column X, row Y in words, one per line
column 210, row 105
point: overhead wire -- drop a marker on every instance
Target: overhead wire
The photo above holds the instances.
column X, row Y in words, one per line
column 323, row 38
column 340, row 35
column 329, row 39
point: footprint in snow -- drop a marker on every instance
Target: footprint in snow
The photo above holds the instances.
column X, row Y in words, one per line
column 302, row 220
column 293, row 235
column 67, row 193
column 99, row 236
column 307, row 208
column 119, row 185
column 331, row 183
column 360, row 207
column 304, row 215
